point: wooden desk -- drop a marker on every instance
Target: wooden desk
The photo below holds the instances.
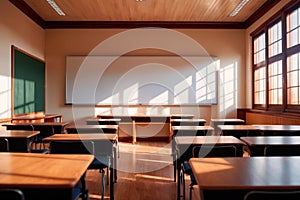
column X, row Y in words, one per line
column 18, row 140
column 83, row 128
column 108, row 121
column 220, row 178
column 187, row 122
column 227, row 121
column 38, row 118
column 257, row 145
column 238, row 130
column 43, row 176
column 143, row 119
column 185, row 144
column 104, row 145
column 45, row 128
column 279, row 130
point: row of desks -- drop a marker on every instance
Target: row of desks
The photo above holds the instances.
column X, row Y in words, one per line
column 220, row 177
column 19, row 142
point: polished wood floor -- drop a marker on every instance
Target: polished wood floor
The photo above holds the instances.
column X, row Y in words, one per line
column 145, row 172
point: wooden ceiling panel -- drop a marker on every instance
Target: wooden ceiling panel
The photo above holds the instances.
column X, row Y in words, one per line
column 147, row 10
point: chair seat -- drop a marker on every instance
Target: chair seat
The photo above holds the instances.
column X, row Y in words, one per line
column 99, row 162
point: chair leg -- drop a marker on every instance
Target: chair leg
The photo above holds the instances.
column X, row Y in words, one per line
column 182, row 182
column 102, row 171
column 191, row 188
column 107, row 177
column 174, row 166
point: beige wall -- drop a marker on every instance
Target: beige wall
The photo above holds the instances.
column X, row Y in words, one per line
column 228, row 46
column 15, row 29
column 252, row 28
column 231, row 47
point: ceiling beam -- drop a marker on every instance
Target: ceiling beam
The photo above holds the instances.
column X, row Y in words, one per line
column 27, row 10
column 260, row 12
column 143, row 24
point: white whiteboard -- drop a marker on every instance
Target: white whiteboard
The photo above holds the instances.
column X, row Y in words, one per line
column 141, row 80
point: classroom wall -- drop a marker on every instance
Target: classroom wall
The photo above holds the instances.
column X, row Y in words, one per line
column 252, row 28
column 228, row 46
column 15, row 29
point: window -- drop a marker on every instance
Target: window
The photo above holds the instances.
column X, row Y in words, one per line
column 276, row 62
column 260, row 70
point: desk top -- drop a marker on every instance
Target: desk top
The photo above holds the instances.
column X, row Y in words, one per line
column 27, row 170
column 86, row 136
column 17, row 134
column 274, row 140
column 174, row 116
column 199, row 140
column 84, row 126
column 227, row 120
column 104, row 120
column 37, row 124
column 38, row 116
column 188, row 120
column 192, row 128
column 250, row 173
column 287, row 128
column 237, row 128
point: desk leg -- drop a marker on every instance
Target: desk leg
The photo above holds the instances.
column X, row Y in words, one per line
column 111, row 183
column 133, row 131
column 178, row 165
column 115, row 163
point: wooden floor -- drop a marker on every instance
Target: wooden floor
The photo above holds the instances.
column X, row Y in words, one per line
column 145, row 172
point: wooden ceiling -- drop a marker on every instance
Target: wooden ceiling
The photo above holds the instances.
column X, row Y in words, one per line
column 82, row 13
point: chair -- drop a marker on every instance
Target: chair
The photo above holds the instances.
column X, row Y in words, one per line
column 272, row 195
column 201, row 152
column 83, row 147
column 11, row 194
column 45, row 131
column 288, row 150
column 4, row 145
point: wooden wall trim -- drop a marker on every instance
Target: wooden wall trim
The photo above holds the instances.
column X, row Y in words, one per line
column 268, row 117
column 142, row 24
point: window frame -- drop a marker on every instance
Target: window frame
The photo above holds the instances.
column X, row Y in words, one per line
column 286, row 52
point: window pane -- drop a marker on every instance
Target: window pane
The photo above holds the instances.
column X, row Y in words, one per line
column 275, row 39
column 260, row 86
column 293, row 96
column 275, row 83
column 259, row 49
column 293, row 29
column 293, row 85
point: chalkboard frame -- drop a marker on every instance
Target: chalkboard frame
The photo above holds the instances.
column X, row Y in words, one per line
column 36, row 70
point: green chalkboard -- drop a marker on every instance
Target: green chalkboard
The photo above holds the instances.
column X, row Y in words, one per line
column 28, row 83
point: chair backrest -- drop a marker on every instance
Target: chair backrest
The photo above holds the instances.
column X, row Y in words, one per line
column 72, row 147
column 11, row 194
column 90, row 130
column 288, row 150
column 272, row 195
column 193, row 133
column 214, row 151
column 4, row 145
